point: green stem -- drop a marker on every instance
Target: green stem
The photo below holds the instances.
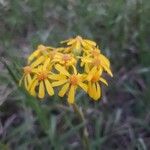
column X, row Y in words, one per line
column 84, row 132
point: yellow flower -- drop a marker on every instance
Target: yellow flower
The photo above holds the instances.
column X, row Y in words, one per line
column 102, row 61
column 44, row 54
column 41, row 79
column 93, row 78
column 81, row 54
column 78, row 43
column 70, row 83
column 40, row 51
column 64, row 59
column 26, row 77
column 99, row 60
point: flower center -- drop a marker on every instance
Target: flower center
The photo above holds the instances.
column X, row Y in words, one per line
column 95, row 52
column 96, row 62
column 42, row 75
column 66, row 57
column 95, row 78
column 27, row 69
column 74, row 80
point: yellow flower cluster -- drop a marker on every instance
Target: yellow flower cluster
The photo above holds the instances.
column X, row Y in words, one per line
column 79, row 64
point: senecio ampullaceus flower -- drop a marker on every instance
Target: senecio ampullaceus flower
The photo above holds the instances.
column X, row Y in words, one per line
column 78, row 65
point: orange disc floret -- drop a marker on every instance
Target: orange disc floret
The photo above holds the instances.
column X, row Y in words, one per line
column 66, row 57
column 27, row 69
column 73, row 79
column 95, row 78
column 95, row 52
column 96, row 62
column 42, row 75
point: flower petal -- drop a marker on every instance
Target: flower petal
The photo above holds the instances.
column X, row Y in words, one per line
column 49, row 87
column 33, row 55
column 57, row 76
column 77, row 45
column 74, row 69
column 104, row 60
column 63, row 90
column 32, row 88
column 46, row 63
column 29, row 78
column 108, row 71
column 95, row 94
column 90, row 89
column 38, row 61
column 71, row 95
column 86, row 45
column 103, row 80
column 62, row 70
column 90, row 42
column 71, row 41
column 41, row 93
column 98, row 91
column 83, row 86
column 91, row 73
column 58, row 83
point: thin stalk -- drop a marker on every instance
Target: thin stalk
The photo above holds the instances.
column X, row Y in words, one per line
column 84, row 132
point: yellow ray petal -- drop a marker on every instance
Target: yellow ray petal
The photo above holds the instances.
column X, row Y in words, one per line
column 90, row 89
column 49, row 87
column 83, row 86
column 71, row 95
column 57, row 76
column 65, row 41
column 32, row 88
column 103, row 80
column 98, row 91
column 95, row 94
column 58, row 83
column 63, row 90
column 104, row 60
column 90, row 42
column 74, row 69
column 33, row 80
column 29, row 78
column 62, row 70
column 41, row 93
column 46, row 63
column 91, row 73
column 38, row 61
column 71, row 41
column 33, row 55
column 77, row 45
column 108, row 71
column 86, row 45
column 86, row 68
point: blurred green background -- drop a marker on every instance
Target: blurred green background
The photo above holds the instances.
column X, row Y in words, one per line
column 121, row 120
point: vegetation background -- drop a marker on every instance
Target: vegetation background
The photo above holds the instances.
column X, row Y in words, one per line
column 121, row 120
